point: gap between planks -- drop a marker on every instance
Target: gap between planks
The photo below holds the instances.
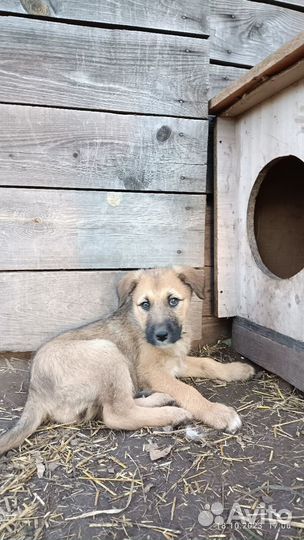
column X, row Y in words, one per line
column 60, row 188
column 106, row 26
column 107, row 111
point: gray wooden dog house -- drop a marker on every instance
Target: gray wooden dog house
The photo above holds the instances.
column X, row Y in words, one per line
column 259, row 220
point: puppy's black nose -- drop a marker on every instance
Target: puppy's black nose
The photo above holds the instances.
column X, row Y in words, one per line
column 161, row 334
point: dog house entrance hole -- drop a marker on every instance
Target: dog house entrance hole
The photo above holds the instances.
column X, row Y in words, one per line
column 276, row 217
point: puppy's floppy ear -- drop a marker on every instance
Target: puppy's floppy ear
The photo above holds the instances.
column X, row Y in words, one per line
column 193, row 278
column 127, row 285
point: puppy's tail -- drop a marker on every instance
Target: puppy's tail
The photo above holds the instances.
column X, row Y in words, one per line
column 31, row 418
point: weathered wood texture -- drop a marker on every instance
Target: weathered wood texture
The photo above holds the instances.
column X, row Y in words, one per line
column 58, row 229
column 279, row 70
column 36, row 306
column 39, row 305
column 177, row 16
column 276, row 353
column 268, row 89
column 213, row 328
column 250, row 289
column 45, row 147
column 297, row 4
column 222, row 76
column 114, row 70
column 245, row 32
column 263, row 135
column 242, row 31
column 226, row 241
column 49, row 63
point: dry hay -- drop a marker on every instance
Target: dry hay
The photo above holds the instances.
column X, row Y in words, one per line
column 85, row 481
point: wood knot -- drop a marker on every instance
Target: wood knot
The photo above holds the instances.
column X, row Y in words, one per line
column 163, row 133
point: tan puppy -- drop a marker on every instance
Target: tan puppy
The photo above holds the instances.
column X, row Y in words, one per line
column 97, row 369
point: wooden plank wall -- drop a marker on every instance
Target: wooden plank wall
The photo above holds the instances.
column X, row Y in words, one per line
column 103, row 157
column 242, row 32
column 104, row 130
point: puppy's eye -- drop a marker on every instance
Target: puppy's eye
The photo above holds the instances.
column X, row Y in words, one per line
column 145, row 305
column 173, row 302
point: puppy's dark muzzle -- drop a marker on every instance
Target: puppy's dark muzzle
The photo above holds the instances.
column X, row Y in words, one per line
column 166, row 333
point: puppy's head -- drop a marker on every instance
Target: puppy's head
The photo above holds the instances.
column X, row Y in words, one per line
column 160, row 300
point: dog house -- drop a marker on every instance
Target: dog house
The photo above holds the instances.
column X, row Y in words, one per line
column 259, row 221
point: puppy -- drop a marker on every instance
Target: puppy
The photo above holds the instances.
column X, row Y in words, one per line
column 95, row 371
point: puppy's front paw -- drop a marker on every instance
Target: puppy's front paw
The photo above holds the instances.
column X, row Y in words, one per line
column 239, row 371
column 234, row 423
column 224, row 418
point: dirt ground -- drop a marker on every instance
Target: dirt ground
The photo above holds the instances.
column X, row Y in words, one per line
column 88, row 482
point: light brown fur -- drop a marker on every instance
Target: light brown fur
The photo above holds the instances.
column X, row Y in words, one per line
column 97, row 369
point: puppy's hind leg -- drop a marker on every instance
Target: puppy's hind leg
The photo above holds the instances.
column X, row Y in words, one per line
column 158, row 399
column 122, row 411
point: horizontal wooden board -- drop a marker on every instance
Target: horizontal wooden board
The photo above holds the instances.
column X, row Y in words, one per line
column 177, row 16
column 245, row 32
column 49, row 63
column 271, row 350
column 46, row 147
column 222, row 76
column 36, row 306
column 66, row 229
